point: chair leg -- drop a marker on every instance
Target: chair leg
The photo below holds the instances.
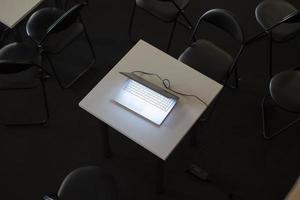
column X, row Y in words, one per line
column 45, row 100
column 83, row 71
column 267, row 135
column 89, row 42
column 131, row 22
column 256, row 37
column 172, row 35
column 236, row 77
column 270, row 56
column 53, row 69
column 187, row 20
column 203, row 119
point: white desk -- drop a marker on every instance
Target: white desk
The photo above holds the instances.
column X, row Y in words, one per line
column 13, row 11
column 294, row 194
column 160, row 140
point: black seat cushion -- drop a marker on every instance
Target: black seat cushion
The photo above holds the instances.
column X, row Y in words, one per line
column 208, row 58
column 20, row 51
column 89, row 183
column 285, row 90
column 269, row 13
column 25, row 79
column 164, row 10
column 41, row 20
column 17, row 75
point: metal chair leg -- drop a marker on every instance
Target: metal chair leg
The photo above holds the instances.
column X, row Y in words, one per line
column 270, row 55
column 256, row 37
column 172, row 35
column 203, row 119
column 267, row 135
column 187, row 20
column 236, row 77
column 89, row 41
column 131, row 22
column 45, row 100
column 160, row 176
column 83, row 71
column 53, row 69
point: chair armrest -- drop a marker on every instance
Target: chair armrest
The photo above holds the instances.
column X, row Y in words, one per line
column 46, row 197
column 291, row 18
column 174, row 3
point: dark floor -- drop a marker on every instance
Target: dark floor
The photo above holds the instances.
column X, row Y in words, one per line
column 34, row 160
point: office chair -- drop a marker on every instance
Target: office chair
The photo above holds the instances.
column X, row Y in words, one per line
column 285, row 92
column 88, row 183
column 280, row 21
column 210, row 59
column 167, row 11
column 20, row 70
column 53, row 30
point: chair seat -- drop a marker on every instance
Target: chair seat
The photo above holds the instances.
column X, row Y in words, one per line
column 39, row 23
column 285, row 90
column 88, row 183
column 15, row 75
column 208, row 58
column 164, row 10
column 20, row 51
column 268, row 13
column 25, row 79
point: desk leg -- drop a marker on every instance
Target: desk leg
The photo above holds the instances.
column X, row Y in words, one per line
column 160, row 176
column 106, row 145
column 194, row 134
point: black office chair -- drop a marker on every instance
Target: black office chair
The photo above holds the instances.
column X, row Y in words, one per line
column 210, row 59
column 20, row 70
column 280, row 21
column 285, row 92
column 88, row 183
column 166, row 10
column 53, row 30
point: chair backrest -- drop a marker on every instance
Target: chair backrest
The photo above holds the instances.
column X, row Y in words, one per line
column 88, row 183
column 10, row 67
column 224, row 20
column 67, row 19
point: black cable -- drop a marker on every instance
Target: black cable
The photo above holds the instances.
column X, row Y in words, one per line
column 167, row 85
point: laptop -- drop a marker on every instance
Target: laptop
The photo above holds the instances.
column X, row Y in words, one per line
column 145, row 98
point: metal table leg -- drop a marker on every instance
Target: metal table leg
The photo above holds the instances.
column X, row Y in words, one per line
column 106, row 144
column 160, row 176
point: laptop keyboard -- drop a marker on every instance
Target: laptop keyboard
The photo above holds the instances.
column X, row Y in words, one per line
column 149, row 95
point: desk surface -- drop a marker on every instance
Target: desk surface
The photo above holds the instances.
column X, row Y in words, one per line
column 294, row 194
column 160, row 140
column 13, row 11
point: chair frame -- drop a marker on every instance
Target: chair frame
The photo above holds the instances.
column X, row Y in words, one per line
column 25, row 62
column 175, row 21
column 291, row 18
column 47, row 54
column 233, row 68
column 265, row 133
